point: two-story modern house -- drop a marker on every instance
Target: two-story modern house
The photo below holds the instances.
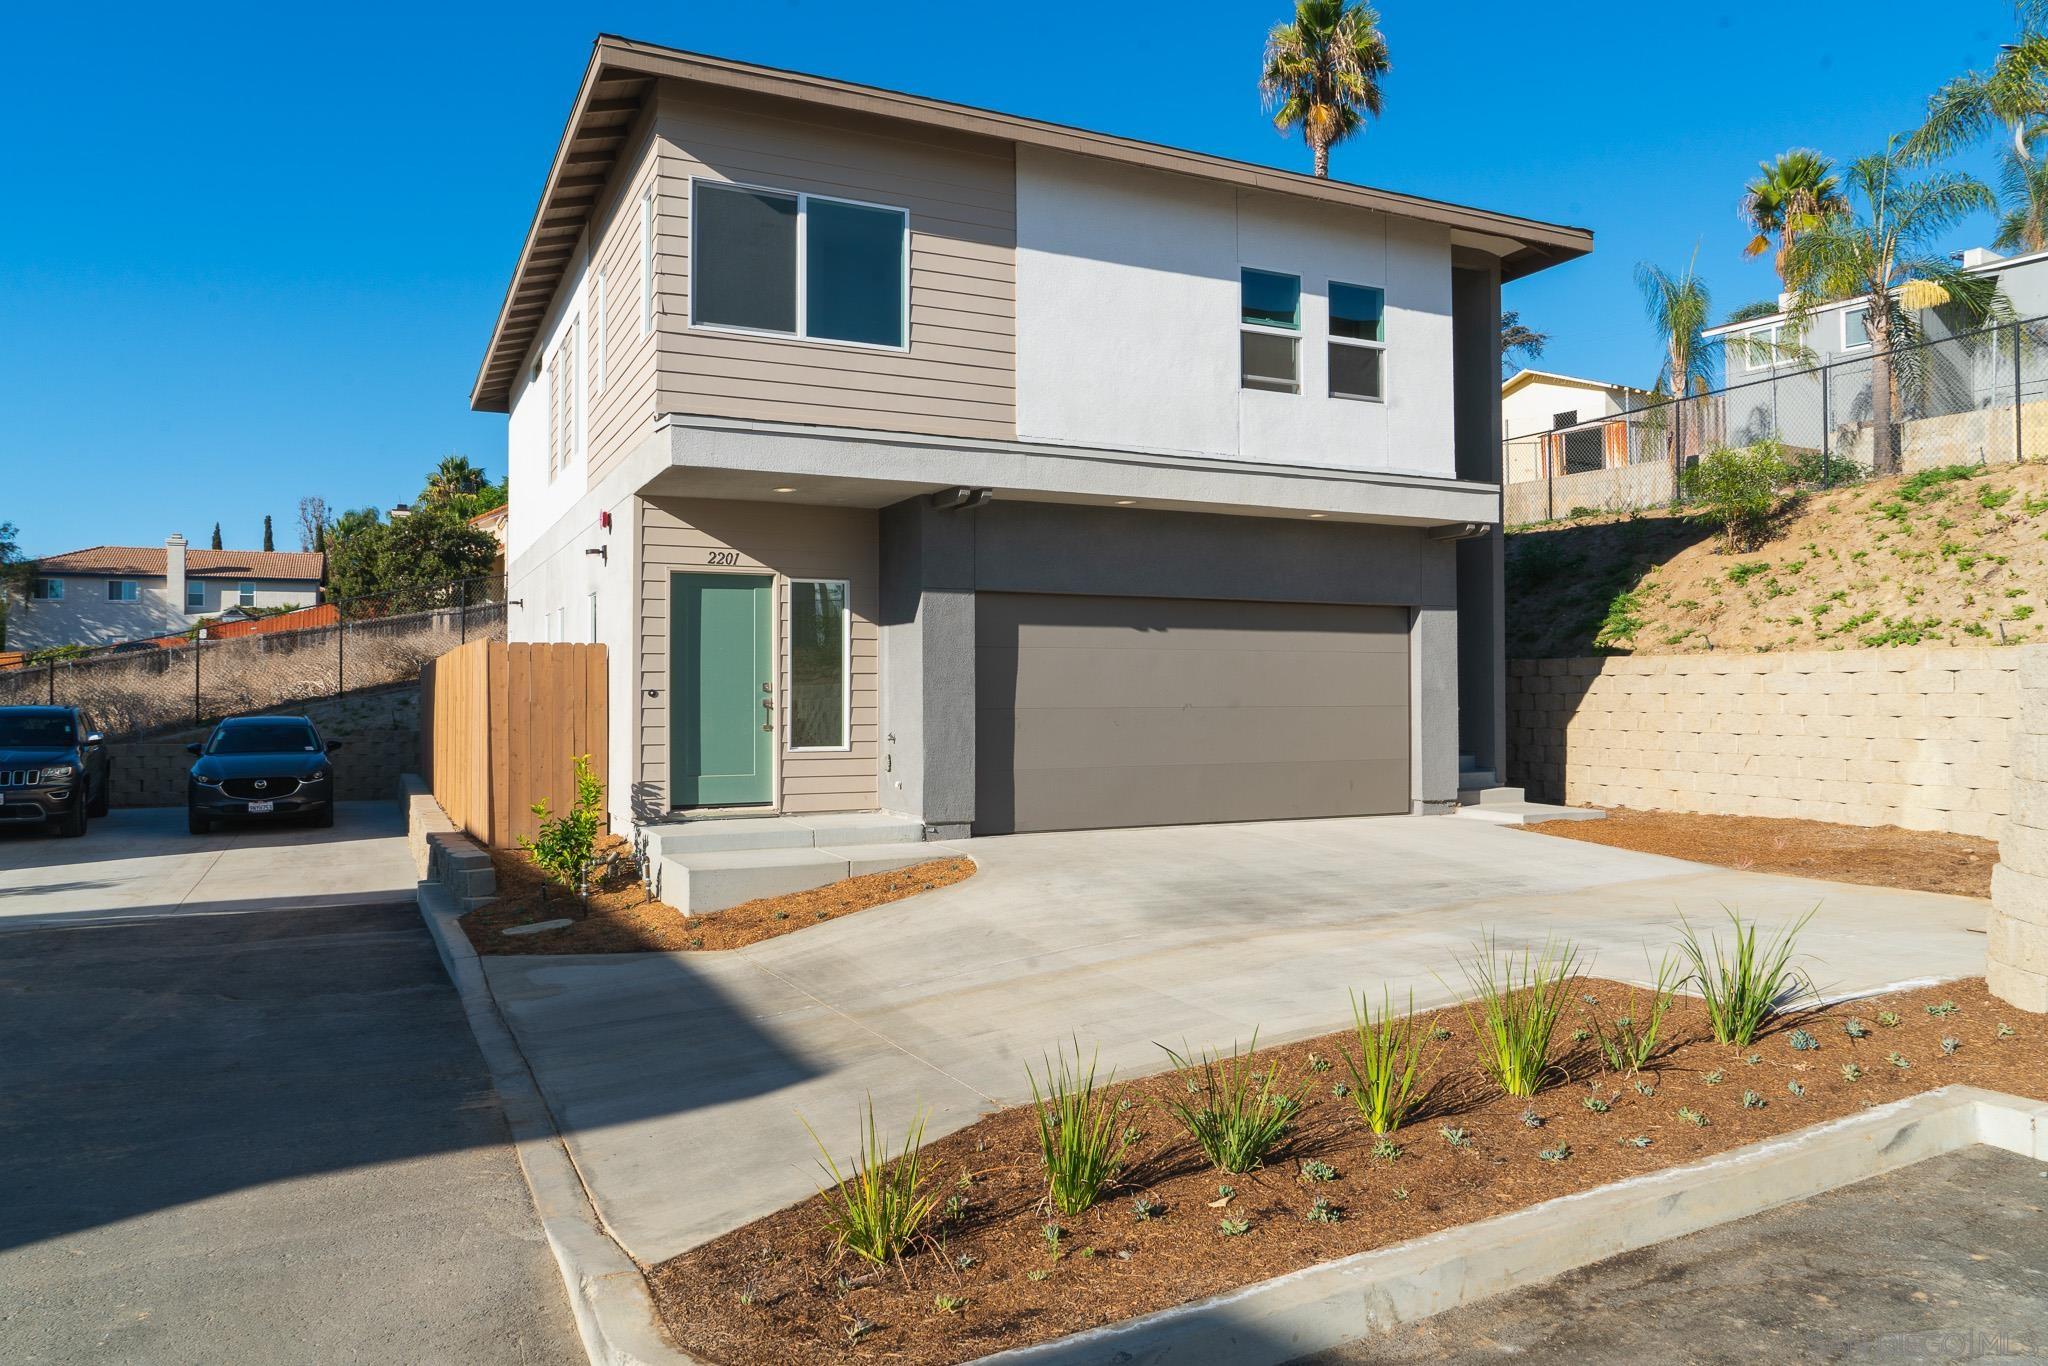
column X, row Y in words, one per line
column 110, row 593
column 919, row 459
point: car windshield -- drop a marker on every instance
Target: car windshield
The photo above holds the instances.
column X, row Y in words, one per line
column 37, row 730
column 264, row 737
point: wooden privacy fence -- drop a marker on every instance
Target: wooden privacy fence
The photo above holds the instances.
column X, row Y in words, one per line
column 501, row 726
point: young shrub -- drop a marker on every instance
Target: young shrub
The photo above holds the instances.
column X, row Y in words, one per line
column 1387, row 1075
column 1076, row 1138
column 879, row 1206
column 1630, row 1042
column 1744, row 985
column 1235, row 1116
column 1738, row 491
column 565, row 850
column 1522, row 994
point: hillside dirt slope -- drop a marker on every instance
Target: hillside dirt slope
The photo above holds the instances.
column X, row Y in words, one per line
column 1944, row 557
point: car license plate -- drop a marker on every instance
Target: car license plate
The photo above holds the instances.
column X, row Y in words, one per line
column 260, row 808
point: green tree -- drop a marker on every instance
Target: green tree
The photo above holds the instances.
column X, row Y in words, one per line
column 269, row 541
column 432, row 546
column 1791, row 194
column 1739, row 491
column 2023, row 205
column 1322, row 73
column 1884, row 250
column 454, row 477
column 1679, row 307
column 2010, row 99
column 1517, row 340
column 216, row 535
column 15, row 571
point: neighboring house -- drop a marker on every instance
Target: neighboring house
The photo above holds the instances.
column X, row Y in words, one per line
column 998, row 473
column 1542, row 416
column 494, row 522
column 111, row 593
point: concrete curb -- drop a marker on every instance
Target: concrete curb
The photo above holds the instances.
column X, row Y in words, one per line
column 1334, row 1303
column 614, row 1311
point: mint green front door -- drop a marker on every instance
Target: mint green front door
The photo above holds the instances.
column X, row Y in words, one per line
column 721, row 696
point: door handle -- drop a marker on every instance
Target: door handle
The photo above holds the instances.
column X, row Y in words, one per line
column 769, row 703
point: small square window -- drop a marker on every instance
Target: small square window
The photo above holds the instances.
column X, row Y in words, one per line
column 1270, row 300
column 1357, row 312
column 245, row 595
column 1357, row 371
column 1269, row 362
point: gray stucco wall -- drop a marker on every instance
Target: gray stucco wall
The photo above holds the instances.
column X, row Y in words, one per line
column 934, row 561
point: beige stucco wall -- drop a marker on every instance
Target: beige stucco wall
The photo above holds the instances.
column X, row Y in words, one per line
column 1918, row 738
column 2018, row 944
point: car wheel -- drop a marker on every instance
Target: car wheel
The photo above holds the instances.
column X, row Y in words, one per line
column 71, row 824
column 102, row 795
column 196, row 823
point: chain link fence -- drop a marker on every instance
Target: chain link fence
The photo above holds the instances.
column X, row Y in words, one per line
column 137, row 687
column 1977, row 398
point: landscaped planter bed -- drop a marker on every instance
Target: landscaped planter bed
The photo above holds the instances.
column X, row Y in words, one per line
column 775, row 1291
column 619, row 917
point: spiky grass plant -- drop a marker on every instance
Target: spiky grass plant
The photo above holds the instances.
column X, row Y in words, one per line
column 1522, row 994
column 1076, row 1131
column 880, row 1206
column 1629, row 1041
column 1236, row 1115
column 1745, row 984
column 1387, row 1076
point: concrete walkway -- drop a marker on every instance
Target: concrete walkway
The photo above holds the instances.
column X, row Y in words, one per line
column 678, row 1079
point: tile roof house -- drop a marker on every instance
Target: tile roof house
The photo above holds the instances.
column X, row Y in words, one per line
column 105, row 594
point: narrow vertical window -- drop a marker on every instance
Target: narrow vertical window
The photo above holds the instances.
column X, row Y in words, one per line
column 245, row 595
column 647, row 261
column 818, row 683
column 1358, row 342
column 1269, row 314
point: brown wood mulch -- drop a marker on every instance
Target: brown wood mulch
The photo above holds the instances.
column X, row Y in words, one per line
column 1876, row 856
column 773, row 1290
column 620, row 919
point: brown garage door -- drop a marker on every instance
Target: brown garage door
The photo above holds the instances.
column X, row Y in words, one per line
column 1094, row 711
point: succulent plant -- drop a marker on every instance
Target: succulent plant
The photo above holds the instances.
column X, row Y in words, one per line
column 1801, row 1041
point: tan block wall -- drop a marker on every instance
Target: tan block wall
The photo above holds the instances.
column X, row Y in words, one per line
column 1918, row 738
column 2018, row 943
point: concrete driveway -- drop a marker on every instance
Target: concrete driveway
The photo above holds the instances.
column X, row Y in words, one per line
column 141, row 862
column 242, row 1117
column 678, row 1079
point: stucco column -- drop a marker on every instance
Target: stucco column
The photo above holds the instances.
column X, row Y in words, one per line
column 2017, row 949
column 927, row 673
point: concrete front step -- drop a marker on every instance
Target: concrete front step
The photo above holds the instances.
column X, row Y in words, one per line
column 696, row 882
column 1486, row 794
column 726, row 834
column 1525, row 813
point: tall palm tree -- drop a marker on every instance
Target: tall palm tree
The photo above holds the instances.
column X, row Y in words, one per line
column 453, row 477
column 2011, row 98
column 1680, row 308
column 1518, row 340
column 1884, row 251
column 1323, row 73
column 2023, row 204
column 1790, row 194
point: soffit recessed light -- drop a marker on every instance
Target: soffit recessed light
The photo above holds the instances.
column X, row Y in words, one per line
column 1314, row 515
column 785, row 490
column 1126, row 502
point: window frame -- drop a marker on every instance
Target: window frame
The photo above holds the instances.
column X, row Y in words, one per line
column 1360, row 343
column 245, row 593
column 46, row 589
column 845, row 744
column 1863, row 311
column 134, row 593
column 1291, row 334
column 801, row 334
column 1770, row 361
column 597, row 341
column 195, row 588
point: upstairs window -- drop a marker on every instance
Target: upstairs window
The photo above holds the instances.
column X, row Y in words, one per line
column 46, row 590
column 1759, row 346
column 798, row 265
column 195, row 596
column 245, row 595
column 1855, row 328
column 1269, row 341
column 647, row 261
column 1358, row 342
column 123, row 590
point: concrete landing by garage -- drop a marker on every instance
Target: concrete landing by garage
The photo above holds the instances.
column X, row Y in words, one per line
column 678, row 1079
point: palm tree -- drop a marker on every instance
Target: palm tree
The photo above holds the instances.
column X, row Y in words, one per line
column 452, row 478
column 2023, row 199
column 2012, row 97
column 1791, row 193
column 1883, row 251
column 1680, row 308
column 1518, row 340
column 1323, row 73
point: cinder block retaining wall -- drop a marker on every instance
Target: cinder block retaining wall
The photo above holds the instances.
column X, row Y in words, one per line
column 381, row 730
column 2018, row 943
column 1918, row 738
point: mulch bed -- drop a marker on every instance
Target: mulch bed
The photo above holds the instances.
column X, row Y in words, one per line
column 620, row 919
column 774, row 1290
column 1877, row 856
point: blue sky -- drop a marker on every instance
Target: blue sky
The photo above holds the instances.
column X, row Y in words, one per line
column 247, row 255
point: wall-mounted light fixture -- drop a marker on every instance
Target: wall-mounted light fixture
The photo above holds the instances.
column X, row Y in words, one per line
column 602, row 552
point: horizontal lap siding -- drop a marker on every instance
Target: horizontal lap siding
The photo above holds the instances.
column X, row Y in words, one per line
column 959, row 376
column 623, row 413
column 791, row 542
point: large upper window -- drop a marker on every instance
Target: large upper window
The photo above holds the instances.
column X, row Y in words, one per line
column 1358, row 341
column 195, row 595
column 46, row 590
column 123, row 590
column 797, row 264
column 1269, row 343
column 818, row 693
column 245, row 595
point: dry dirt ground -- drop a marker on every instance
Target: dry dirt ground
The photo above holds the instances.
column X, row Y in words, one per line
column 621, row 919
column 1880, row 856
column 1944, row 557
column 997, row 1271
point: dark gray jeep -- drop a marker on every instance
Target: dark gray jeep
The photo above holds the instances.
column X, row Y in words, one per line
column 53, row 768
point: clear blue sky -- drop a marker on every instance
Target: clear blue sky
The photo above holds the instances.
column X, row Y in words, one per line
column 246, row 256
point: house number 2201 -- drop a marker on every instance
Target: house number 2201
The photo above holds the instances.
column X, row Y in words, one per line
column 724, row 557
